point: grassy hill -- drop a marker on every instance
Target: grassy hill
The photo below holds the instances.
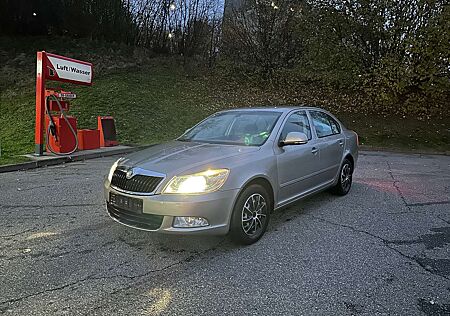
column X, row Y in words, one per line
column 155, row 99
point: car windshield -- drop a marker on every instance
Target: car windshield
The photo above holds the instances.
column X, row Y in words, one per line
column 250, row 128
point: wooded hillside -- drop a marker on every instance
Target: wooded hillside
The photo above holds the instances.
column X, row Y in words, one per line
column 390, row 56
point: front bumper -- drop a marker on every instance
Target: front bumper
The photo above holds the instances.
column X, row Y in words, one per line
column 159, row 211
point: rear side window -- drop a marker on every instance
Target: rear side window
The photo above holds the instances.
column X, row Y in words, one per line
column 324, row 124
column 297, row 122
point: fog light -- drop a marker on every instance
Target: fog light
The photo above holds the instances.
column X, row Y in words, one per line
column 189, row 222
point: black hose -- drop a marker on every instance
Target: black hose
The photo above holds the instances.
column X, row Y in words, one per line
column 51, row 128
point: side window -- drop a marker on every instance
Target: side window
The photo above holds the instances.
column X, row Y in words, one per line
column 324, row 124
column 297, row 122
column 334, row 125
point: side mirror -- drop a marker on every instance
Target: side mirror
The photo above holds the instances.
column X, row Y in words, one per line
column 294, row 138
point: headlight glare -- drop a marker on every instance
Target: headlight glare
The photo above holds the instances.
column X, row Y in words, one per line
column 113, row 168
column 202, row 182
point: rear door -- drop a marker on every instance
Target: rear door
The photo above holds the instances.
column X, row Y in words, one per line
column 297, row 164
column 331, row 143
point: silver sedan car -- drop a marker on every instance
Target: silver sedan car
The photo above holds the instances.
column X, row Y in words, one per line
column 230, row 171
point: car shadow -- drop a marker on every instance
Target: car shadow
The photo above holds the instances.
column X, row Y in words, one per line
column 304, row 206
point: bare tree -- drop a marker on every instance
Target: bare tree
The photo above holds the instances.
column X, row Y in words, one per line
column 184, row 27
column 259, row 32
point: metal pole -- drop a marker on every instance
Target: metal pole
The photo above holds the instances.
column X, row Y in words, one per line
column 40, row 104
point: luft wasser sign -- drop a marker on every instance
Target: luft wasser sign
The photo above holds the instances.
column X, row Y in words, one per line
column 69, row 69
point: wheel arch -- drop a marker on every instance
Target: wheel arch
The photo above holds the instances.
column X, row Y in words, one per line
column 350, row 158
column 347, row 155
column 263, row 181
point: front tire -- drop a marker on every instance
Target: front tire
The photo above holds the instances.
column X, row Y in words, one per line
column 251, row 215
column 345, row 179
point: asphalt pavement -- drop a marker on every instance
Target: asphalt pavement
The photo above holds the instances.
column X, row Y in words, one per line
column 381, row 250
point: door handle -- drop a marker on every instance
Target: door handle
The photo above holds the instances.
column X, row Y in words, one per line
column 341, row 142
column 314, row 150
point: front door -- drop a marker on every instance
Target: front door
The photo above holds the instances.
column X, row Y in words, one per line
column 297, row 164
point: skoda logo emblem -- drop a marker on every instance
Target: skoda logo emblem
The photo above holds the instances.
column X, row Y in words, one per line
column 129, row 174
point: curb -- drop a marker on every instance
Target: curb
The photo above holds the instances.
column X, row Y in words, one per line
column 62, row 160
column 403, row 151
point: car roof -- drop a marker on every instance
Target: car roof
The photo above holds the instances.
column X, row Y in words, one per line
column 274, row 108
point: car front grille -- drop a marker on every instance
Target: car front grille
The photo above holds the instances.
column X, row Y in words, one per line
column 138, row 183
column 142, row 221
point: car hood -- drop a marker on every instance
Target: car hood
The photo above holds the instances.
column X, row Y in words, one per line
column 175, row 157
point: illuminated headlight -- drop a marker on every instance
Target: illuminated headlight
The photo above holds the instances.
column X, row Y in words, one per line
column 202, row 182
column 189, row 222
column 113, row 168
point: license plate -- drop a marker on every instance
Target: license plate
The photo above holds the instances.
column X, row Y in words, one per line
column 126, row 203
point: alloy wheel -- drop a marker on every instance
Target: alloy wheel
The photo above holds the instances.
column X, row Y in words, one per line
column 346, row 177
column 254, row 214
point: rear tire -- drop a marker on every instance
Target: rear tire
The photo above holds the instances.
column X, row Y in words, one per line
column 345, row 178
column 251, row 215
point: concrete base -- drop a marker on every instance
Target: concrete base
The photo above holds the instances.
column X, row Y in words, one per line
column 51, row 160
column 100, row 152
